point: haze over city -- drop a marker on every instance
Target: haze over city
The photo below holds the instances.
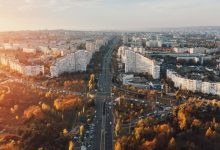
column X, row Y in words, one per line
column 107, row 14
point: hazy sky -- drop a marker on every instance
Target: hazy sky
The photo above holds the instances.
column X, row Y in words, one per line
column 107, row 14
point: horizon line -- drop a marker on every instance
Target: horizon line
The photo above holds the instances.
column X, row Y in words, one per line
column 114, row 30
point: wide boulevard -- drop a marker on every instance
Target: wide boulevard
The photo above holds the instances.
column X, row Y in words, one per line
column 104, row 122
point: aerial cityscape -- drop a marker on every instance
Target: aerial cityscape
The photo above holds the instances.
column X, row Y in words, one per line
column 109, row 75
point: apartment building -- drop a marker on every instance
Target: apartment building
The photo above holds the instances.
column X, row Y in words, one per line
column 193, row 85
column 197, row 50
column 90, row 46
column 27, row 70
column 100, row 42
column 121, row 51
column 72, row 62
column 153, row 43
column 137, row 63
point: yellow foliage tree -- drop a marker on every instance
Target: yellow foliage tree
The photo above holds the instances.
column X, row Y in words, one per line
column 165, row 128
column 137, row 132
column 45, row 106
column 81, row 130
column 65, row 132
column 118, row 146
column 91, row 83
column 71, row 145
column 182, row 120
column 48, row 94
column 117, row 127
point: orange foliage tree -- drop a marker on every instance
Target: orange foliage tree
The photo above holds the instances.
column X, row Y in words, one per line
column 67, row 103
column 35, row 111
column 182, row 120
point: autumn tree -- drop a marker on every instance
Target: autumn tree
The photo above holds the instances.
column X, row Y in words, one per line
column 196, row 123
column 71, row 145
column 165, row 128
column 35, row 111
column 65, row 132
column 137, row 132
column 118, row 146
column 182, row 120
column 149, row 144
column 91, row 83
column 209, row 132
column 172, row 143
column 81, row 130
column 67, row 103
column 117, row 127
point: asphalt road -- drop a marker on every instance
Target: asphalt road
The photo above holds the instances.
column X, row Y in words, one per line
column 103, row 139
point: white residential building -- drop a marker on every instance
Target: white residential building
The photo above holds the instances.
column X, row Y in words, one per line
column 137, row 41
column 12, row 46
column 100, row 42
column 90, row 46
column 197, row 50
column 125, row 39
column 72, row 62
column 154, row 43
column 27, row 70
column 193, row 85
column 135, row 62
column 214, row 50
column 121, row 51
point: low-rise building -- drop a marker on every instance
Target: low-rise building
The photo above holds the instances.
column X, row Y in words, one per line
column 181, row 50
column 44, row 49
column 187, row 58
column 29, row 50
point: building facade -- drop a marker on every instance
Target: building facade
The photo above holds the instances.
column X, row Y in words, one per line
column 153, row 43
column 27, row 70
column 72, row 62
column 193, row 85
column 137, row 63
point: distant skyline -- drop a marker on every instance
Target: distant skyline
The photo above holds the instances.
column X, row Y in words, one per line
column 107, row 14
